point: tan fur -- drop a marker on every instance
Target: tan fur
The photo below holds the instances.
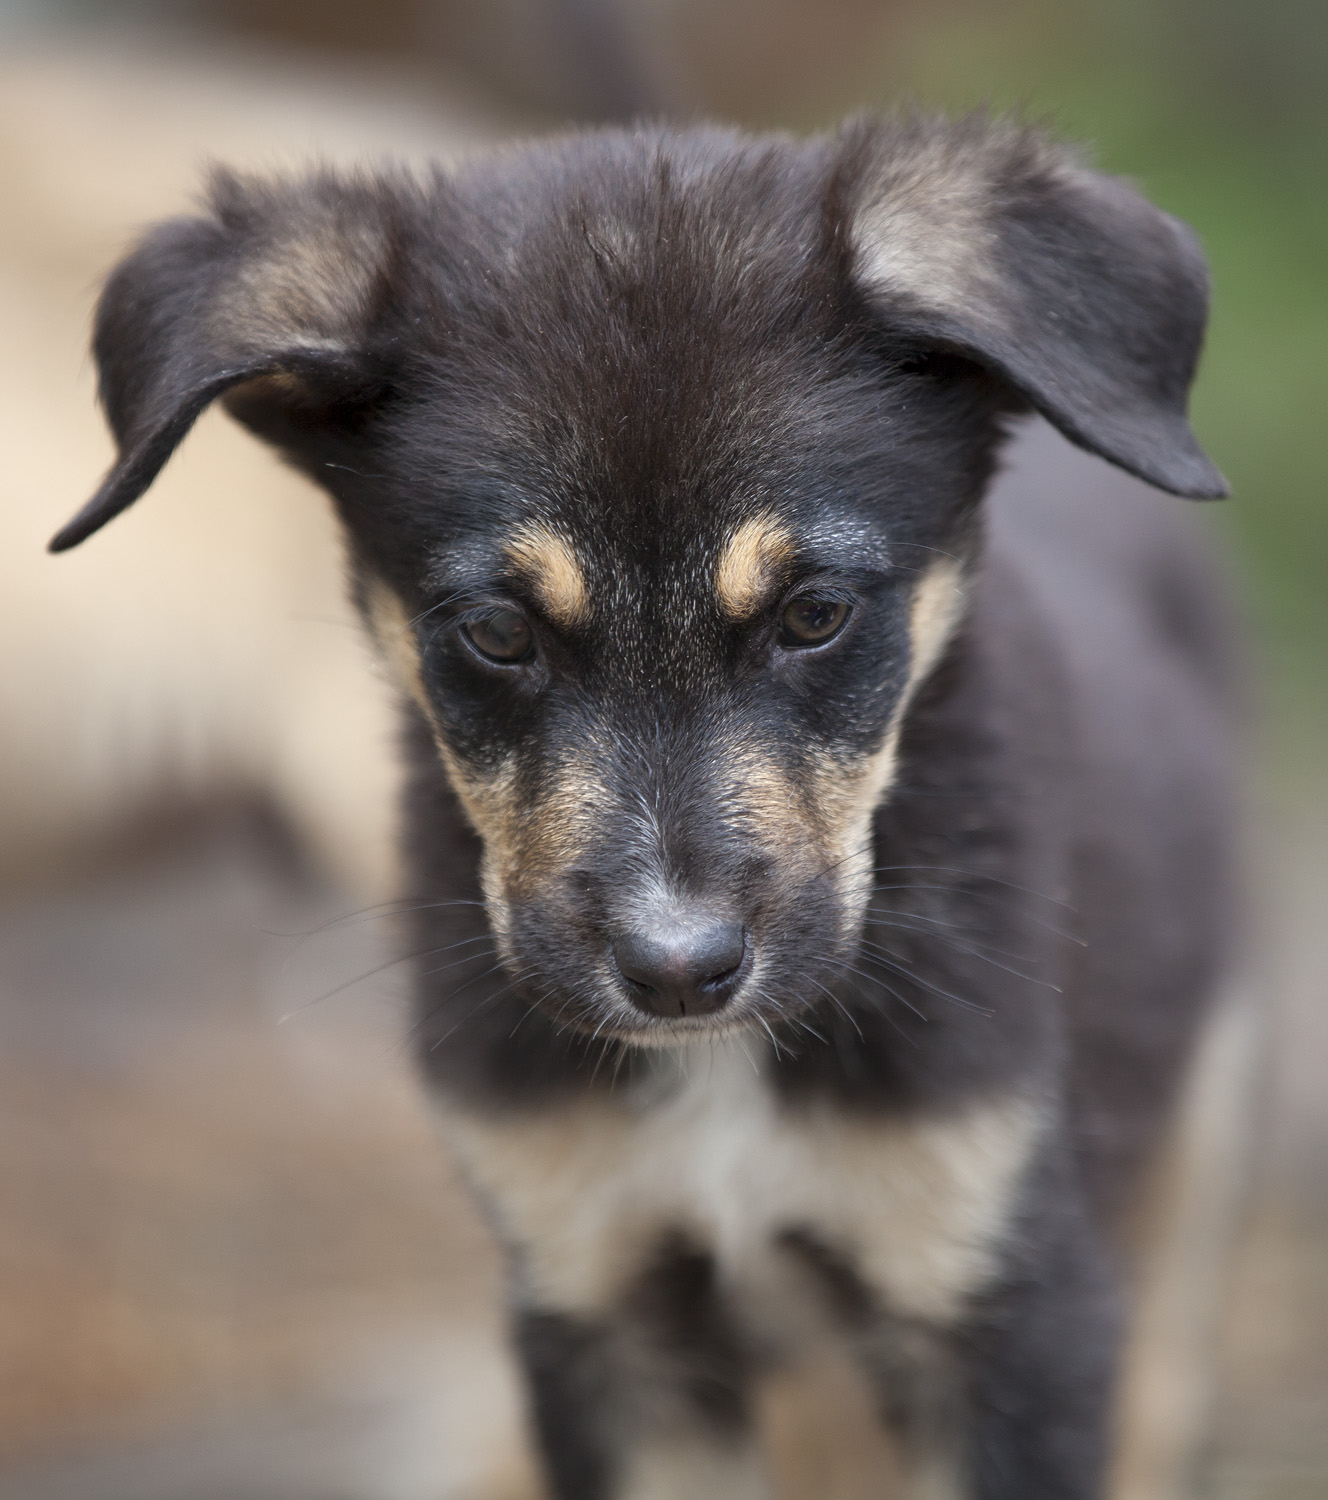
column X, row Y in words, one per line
column 847, row 796
column 309, row 291
column 920, row 1206
column 824, row 825
column 844, row 795
column 925, row 231
column 686, row 1464
column 745, row 572
column 487, row 800
column 938, row 603
column 551, row 565
column 926, row 234
column 391, row 632
column 524, row 842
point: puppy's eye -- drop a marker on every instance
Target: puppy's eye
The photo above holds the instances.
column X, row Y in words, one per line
column 502, row 636
column 808, row 621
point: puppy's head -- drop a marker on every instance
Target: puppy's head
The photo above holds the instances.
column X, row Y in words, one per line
column 658, row 456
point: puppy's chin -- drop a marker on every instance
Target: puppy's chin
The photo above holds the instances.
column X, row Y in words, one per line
column 665, row 1033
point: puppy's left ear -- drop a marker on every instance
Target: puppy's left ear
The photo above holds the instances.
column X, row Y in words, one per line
column 287, row 281
column 984, row 239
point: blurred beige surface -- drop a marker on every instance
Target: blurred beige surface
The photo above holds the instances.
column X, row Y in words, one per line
column 202, row 643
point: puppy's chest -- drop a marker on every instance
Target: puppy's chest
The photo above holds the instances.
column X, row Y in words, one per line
column 586, row 1193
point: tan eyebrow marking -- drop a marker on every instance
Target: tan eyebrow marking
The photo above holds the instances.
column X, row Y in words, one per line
column 551, row 565
column 747, row 563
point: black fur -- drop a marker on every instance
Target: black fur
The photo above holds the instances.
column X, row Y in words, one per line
column 574, row 1398
column 642, row 341
column 585, row 1400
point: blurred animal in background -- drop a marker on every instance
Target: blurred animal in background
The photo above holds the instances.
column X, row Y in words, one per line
column 128, row 691
column 820, row 870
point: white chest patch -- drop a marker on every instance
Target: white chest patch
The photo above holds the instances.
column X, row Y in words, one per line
column 586, row 1191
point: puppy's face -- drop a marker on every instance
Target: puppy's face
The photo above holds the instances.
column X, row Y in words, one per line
column 660, row 549
column 666, row 680
column 658, row 457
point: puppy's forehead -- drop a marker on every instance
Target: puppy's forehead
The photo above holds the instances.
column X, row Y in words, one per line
column 639, row 308
column 648, row 366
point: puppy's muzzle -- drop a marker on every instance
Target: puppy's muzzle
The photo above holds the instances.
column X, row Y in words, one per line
column 682, row 964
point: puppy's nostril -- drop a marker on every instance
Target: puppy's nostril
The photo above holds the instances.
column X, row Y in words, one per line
column 683, row 971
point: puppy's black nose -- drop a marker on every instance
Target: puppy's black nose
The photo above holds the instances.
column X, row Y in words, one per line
column 682, row 968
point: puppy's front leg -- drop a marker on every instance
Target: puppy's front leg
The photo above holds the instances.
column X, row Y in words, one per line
column 649, row 1399
column 1013, row 1402
column 997, row 1389
column 1041, row 1364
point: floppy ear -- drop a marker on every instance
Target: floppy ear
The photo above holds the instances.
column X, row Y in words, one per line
column 984, row 239
column 278, row 280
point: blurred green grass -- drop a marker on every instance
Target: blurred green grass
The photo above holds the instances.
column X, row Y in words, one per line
column 1219, row 110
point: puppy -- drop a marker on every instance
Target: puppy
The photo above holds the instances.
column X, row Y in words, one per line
column 816, row 880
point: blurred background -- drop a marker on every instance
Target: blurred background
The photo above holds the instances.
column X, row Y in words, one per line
column 233, row 1262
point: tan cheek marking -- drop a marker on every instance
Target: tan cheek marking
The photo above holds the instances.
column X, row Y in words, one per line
column 763, row 803
column 552, row 834
column 551, row 565
column 938, row 604
column 846, row 799
column 489, row 801
column 522, row 845
column 836, row 831
column 746, row 565
column 391, row 632
column 849, row 795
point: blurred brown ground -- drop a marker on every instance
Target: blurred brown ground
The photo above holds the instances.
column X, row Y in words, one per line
column 233, row 1262
column 232, row 1258
column 1269, row 1427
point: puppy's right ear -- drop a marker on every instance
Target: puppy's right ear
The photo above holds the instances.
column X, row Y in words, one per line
column 277, row 280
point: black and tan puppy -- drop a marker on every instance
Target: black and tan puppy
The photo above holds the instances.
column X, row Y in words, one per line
column 818, row 878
